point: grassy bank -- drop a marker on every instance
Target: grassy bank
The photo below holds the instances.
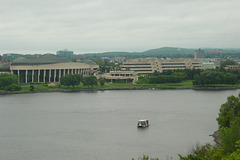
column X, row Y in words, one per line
column 181, row 85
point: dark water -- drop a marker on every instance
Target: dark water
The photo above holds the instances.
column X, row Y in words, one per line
column 102, row 125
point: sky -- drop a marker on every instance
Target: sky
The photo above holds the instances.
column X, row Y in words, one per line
column 86, row 26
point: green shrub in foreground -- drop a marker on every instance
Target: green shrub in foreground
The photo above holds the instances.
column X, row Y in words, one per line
column 14, row 87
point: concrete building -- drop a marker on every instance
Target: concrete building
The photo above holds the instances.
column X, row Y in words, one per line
column 118, row 59
column 144, row 66
column 47, row 69
column 215, row 51
column 120, row 76
column 66, row 53
column 199, row 54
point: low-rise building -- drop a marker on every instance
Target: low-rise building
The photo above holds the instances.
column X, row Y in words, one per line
column 144, row 66
column 118, row 59
column 232, row 67
column 47, row 69
column 120, row 76
column 208, row 64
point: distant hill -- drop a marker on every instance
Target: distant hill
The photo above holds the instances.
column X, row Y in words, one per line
column 164, row 52
column 158, row 53
column 170, row 50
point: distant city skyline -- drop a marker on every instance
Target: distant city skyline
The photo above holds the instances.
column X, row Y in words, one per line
column 92, row 26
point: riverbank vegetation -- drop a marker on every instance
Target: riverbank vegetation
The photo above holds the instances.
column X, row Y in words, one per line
column 201, row 78
column 177, row 79
column 227, row 136
column 9, row 82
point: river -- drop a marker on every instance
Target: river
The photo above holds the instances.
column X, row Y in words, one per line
column 102, row 125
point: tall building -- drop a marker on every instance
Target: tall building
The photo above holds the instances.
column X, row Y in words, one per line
column 199, row 54
column 66, row 53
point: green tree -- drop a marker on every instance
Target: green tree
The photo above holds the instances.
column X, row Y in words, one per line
column 7, row 79
column 229, row 111
column 14, row 87
column 71, row 80
column 102, row 81
column 212, row 78
column 229, row 136
column 197, row 80
column 90, row 81
column 229, row 124
column 235, row 155
column 228, row 62
column 231, row 78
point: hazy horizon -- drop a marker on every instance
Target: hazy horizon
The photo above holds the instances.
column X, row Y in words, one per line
column 54, row 52
column 91, row 26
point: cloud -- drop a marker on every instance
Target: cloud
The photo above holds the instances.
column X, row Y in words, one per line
column 127, row 25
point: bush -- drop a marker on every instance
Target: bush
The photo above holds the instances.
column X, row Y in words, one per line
column 143, row 80
column 71, row 80
column 102, row 81
column 7, row 79
column 14, row 87
column 59, row 85
column 45, row 85
column 31, row 88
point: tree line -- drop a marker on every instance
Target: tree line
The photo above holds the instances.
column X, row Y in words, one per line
column 10, row 82
column 169, row 76
column 200, row 77
column 76, row 79
column 212, row 78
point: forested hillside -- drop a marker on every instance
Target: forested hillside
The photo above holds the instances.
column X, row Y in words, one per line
column 165, row 52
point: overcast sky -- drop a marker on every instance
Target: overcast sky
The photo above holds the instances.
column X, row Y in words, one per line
column 30, row 26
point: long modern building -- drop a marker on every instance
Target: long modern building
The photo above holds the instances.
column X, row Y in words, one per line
column 144, row 66
column 118, row 76
column 48, row 68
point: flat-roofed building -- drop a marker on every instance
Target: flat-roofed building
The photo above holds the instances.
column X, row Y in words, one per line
column 144, row 66
column 199, row 54
column 208, row 64
column 118, row 76
column 48, row 69
column 232, row 67
column 66, row 53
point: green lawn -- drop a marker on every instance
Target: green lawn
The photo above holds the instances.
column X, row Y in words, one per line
column 182, row 85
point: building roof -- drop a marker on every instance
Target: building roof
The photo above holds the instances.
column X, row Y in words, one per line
column 89, row 62
column 38, row 61
column 4, row 67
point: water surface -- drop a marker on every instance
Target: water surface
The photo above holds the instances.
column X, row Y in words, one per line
column 101, row 125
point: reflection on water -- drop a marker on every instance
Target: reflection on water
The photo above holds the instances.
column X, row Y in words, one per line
column 103, row 124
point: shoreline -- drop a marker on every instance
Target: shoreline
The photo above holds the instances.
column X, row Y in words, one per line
column 109, row 89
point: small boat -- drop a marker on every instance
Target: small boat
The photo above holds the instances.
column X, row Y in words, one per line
column 142, row 123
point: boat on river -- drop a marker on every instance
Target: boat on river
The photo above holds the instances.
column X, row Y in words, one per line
column 143, row 123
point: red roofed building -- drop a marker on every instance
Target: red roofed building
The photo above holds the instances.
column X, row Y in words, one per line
column 231, row 68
